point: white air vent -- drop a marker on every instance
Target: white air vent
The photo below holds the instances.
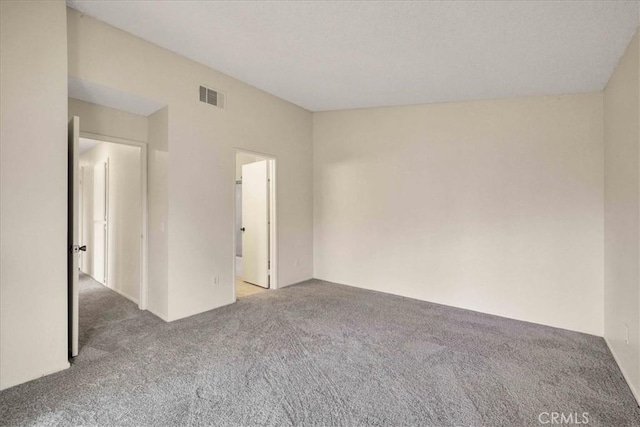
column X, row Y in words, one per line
column 211, row 96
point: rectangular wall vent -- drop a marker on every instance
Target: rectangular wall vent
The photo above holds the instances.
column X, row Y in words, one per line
column 213, row 97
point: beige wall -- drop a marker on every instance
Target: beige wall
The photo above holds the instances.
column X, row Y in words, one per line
column 33, row 190
column 200, row 160
column 105, row 121
column 158, row 213
column 622, row 213
column 494, row 206
column 125, row 215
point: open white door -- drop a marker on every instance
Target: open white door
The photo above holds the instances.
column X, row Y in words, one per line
column 73, row 232
column 255, row 223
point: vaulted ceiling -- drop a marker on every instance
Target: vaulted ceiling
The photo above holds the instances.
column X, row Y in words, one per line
column 337, row 55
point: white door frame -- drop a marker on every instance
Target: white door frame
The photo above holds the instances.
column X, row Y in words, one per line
column 273, row 218
column 142, row 298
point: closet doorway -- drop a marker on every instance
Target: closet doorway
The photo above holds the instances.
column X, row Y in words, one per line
column 254, row 224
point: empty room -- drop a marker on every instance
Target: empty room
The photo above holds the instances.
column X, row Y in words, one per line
column 323, row 213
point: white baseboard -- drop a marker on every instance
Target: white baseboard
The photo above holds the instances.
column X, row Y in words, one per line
column 294, row 283
column 129, row 297
column 624, row 374
column 99, row 281
column 155, row 313
column 65, row 365
column 134, row 300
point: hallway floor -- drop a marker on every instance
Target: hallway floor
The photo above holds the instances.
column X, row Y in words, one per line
column 319, row 353
column 100, row 310
column 244, row 289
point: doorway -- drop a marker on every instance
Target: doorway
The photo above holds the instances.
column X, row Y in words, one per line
column 254, row 223
column 111, row 215
column 107, row 227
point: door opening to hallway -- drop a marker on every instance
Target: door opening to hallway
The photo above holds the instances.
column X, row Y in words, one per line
column 254, row 226
column 107, row 219
column 110, row 215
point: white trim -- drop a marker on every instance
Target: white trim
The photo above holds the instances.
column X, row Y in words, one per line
column 65, row 365
column 158, row 315
column 144, row 246
column 114, row 139
column 273, row 230
column 107, row 219
column 298, row 283
column 273, row 217
column 129, row 297
column 624, row 374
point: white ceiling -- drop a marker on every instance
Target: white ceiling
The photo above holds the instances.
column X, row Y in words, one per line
column 336, row 55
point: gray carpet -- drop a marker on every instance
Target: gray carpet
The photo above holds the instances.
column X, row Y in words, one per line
column 321, row 354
